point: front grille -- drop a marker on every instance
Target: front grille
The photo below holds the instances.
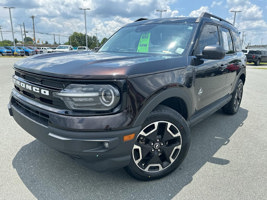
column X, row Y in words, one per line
column 43, row 83
column 37, row 116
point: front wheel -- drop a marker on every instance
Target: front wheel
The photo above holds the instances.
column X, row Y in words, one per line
column 160, row 146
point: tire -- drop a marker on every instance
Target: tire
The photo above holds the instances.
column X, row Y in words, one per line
column 233, row 106
column 257, row 62
column 161, row 145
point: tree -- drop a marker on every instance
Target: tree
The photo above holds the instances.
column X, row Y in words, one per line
column 78, row 39
column 103, row 41
column 28, row 40
column 46, row 42
column 6, row 43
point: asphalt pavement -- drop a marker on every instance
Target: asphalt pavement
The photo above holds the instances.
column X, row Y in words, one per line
column 227, row 158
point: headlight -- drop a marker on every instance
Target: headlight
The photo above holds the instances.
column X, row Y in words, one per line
column 89, row 97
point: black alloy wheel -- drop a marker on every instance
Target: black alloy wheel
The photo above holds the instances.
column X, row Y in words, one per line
column 160, row 146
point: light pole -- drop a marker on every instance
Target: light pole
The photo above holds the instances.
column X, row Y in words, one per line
column 21, row 33
column 24, row 30
column 235, row 11
column 96, row 38
column 1, row 33
column 9, row 8
column 84, row 9
column 54, row 39
column 33, row 28
column 161, row 11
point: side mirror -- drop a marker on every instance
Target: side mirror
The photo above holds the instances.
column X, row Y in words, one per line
column 213, row 52
column 96, row 49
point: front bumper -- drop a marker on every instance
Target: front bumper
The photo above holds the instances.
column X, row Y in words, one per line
column 6, row 53
column 19, row 53
column 100, row 150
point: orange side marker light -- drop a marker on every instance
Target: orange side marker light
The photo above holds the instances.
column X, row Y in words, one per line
column 128, row 137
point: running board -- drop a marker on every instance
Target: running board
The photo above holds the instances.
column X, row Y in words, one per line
column 209, row 110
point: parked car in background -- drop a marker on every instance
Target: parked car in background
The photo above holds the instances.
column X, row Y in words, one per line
column 49, row 50
column 53, row 49
column 16, row 51
column 256, row 56
column 28, row 51
column 83, row 48
column 37, row 51
column 64, row 48
column 45, row 49
column 5, row 52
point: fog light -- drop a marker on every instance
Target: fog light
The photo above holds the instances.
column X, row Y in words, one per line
column 106, row 145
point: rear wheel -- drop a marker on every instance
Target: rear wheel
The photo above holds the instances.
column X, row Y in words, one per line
column 161, row 145
column 233, row 106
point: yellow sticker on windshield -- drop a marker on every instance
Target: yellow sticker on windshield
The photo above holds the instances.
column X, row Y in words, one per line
column 144, row 43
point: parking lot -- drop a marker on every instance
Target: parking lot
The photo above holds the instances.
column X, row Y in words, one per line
column 227, row 158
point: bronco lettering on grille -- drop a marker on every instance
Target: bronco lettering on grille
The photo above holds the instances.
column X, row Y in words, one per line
column 31, row 88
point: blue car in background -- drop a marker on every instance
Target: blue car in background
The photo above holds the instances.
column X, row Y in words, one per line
column 17, row 52
column 5, row 52
column 28, row 51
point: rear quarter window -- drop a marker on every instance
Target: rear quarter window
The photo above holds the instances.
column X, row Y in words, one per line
column 237, row 42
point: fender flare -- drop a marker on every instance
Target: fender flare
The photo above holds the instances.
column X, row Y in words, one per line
column 155, row 100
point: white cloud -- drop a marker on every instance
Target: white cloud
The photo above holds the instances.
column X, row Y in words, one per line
column 107, row 16
column 216, row 3
column 197, row 13
column 108, row 27
column 250, row 20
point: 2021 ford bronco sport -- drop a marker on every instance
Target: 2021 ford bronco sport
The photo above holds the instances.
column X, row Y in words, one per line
column 131, row 103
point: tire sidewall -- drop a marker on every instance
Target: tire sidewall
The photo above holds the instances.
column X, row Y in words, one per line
column 238, row 83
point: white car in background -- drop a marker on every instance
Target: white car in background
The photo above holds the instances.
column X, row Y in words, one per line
column 83, row 48
column 45, row 49
column 64, row 48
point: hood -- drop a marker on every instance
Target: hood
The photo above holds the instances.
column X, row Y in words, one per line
column 91, row 65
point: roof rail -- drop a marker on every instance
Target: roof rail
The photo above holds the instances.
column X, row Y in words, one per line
column 140, row 19
column 208, row 15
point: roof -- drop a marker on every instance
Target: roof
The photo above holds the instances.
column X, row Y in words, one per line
column 163, row 21
column 204, row 16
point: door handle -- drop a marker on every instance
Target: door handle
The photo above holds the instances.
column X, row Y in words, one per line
column 221, row 67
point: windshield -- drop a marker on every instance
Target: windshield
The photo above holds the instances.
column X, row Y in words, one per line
column 62, row 47
column 151, row 38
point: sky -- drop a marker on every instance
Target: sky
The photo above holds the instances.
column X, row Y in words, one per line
column 106, row 16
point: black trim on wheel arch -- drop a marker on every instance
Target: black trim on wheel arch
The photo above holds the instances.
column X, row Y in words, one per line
column 156, row 100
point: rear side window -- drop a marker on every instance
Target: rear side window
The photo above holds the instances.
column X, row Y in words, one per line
column 237, row 42
column 209, row 36
column 227, row 41
column 254, row 52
